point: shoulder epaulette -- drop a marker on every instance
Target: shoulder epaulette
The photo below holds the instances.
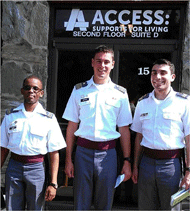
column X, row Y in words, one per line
column 120, row 88
column 80, row 85
column 10, row 111
column 183, row 95
column 49, row 114
column 144, row 97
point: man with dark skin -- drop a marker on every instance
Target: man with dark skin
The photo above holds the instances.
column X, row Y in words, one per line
column 29, row 132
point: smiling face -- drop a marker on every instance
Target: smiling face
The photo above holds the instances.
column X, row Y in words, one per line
column 32, row 91
column 161, row 78
column 103, row 64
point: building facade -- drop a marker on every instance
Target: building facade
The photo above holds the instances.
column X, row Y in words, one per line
column 55, row 39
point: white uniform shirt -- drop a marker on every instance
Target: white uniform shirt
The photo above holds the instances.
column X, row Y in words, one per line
column 31, row 133
column 163, row 124
column 98, row 109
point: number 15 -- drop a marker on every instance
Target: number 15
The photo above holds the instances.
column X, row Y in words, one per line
column 143, row 71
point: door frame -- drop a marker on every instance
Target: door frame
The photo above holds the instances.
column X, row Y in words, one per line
column 150, row 48
column 52, row 79
column 174, row 46
column 145, row 47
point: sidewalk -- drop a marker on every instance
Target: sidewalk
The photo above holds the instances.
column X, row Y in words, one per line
column 55, row 205
column 64, row 201
column 68, row 205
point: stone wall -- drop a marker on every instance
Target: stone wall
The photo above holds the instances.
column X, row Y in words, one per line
column 185, row 84
column 25, row 27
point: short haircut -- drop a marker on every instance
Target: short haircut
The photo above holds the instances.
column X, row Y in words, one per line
column 166, row 62
column 32, row 76
column 104, row 49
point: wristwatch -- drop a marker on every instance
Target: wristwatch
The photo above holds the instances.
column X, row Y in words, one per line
column 187, row 169
column 53, row 185
column 128, row 159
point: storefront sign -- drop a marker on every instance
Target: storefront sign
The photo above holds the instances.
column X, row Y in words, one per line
column 118, row 24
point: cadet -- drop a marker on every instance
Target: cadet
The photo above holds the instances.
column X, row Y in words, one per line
column 97, row 106
column 162, row 122
column 30, row 132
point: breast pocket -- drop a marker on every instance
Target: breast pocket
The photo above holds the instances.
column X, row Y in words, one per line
column 38, row 135
column 112, row 107
column 146, row 120
column 86, row 109
column 172, row 116
column 15, row 131
column 39, row 131
column 171, row 123
column 15, row 126
column 113, row 102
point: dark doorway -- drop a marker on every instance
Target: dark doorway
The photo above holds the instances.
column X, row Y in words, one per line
column 134, row 72
column 73, row 67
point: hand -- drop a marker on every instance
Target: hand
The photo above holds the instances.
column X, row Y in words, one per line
column 186, row 181
column 50, row 193
column 135, row 175
column 126, row 170
column 69, row 169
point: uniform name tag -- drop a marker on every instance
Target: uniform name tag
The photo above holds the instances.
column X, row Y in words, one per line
column 84, row 100
column 145, row 114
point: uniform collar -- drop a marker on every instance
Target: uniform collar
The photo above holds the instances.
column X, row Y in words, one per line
column 38, row 109
column 109, row 84
column 171, row 93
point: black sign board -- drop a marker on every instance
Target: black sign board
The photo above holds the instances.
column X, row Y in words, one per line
column 132, row 24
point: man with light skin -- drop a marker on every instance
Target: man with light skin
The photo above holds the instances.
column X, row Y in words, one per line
column 162, row 123
column 94, row 110
column 29, row 132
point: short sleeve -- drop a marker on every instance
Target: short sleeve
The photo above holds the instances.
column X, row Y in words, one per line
column 4, row 134
column 56, row 140
column 71, row 112
column 125, row 116
column 186, row 119
column 136, row 125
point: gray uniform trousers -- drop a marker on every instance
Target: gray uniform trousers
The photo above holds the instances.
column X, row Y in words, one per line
column 158, row 180
column 95, row 177
column 25, row 186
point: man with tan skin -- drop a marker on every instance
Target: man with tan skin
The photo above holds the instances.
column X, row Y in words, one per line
column 29, row 132
column 162, row 123
column 94, row 110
